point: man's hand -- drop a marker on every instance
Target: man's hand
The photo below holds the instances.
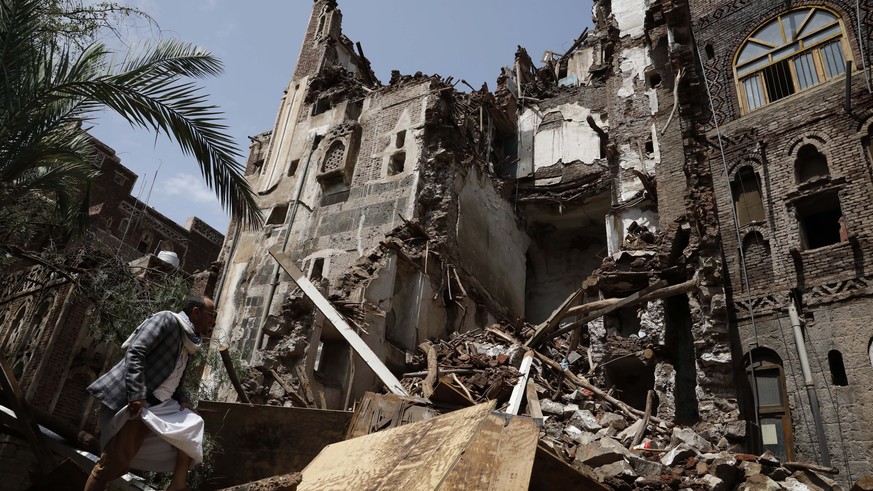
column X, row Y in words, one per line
column 187, row 405
column 135, row 407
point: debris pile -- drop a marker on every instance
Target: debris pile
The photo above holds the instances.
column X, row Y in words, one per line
column 598, row 434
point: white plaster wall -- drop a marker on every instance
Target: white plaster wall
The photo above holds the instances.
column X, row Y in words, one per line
column 630, row 15
column 573, row 140
column 527, row 127
column 618, row 223
column 279, row 156
column 633, row 64
column 490, row 242
column 581, row 61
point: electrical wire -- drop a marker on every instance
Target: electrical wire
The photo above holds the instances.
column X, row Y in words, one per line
column 736, row 227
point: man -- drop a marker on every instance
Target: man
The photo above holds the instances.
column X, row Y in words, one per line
column 147, row 420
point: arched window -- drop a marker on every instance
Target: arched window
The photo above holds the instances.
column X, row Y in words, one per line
column 792, row 52
column 764, row 369
column 746, row 189
column 333, row 159
column 16, row 329
column 32, row 342
column 145, row 242
column 810, row 164
column 838, row 369
column 870, row 351
column 759, row 264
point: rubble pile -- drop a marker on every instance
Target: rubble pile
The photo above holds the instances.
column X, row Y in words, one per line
column 597, row 434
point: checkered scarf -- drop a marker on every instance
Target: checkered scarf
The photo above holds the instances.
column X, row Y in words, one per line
column 191, row 340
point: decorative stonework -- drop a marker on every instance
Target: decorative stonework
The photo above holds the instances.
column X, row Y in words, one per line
column 815, row 296
column 159, row 226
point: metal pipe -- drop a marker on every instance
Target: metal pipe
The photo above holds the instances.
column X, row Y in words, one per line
column 289, row 222
column 807, row 381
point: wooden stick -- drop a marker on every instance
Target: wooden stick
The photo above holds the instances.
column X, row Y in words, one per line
column 520, row 386
column 335, row 318
column 463, row 387
column 533, row 402
column 551, row 323
column 675, row 100
column 642, row 431
column 811, row 467
column 624, row 302
column 432, row 369
column 459, row 371
column 288, row 389
column 629, row 411
column 304, row 383
column 665, row 292
column 231, row 373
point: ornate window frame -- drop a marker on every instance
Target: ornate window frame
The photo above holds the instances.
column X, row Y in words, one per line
column 789, row 53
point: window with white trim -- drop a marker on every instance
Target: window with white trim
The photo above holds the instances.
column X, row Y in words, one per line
column 790, row 53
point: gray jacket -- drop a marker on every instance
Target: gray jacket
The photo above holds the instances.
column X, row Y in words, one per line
column 151, row 357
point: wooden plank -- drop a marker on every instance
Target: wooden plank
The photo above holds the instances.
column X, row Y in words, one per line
column 516, row 454
column 551, row 473
column 667, row 291
column 339, row 322
column 415, row 456
column 432, row 369
column 297, row 399
column 377, row 412
column 304, row 382
column 518, row 390
column 256, row 442
column 533, row 402
column 500, row 458
column 15, row 400
column 551, row 323
column 478, row 466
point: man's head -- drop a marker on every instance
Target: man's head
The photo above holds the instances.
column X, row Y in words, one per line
column 201, row 311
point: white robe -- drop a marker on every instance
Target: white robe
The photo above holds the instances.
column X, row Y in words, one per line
column 172, row 428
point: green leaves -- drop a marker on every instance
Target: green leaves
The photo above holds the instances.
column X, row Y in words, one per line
column 47, row 92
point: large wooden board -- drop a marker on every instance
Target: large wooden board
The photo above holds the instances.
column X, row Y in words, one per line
column 257, row 442
column 500, row 458
column 434, row 454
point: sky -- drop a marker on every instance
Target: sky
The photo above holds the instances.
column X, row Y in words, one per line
column 259, row 41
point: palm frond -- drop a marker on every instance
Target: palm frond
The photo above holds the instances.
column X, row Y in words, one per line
column 46, row 92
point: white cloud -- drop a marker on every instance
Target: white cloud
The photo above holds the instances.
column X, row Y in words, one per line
column 186, row 188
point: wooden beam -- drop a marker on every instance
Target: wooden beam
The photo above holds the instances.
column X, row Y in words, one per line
column 231, row 373
column 534, row 410
column 288, row 389
column 339, row 322
column 667, row 291
column 15, row 400
column 572, row 378
column 551, row 323
column 432, row 369
column 624, row 302
column 521, row 385
column 641, row 433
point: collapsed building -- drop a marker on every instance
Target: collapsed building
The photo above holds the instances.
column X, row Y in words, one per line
column 693, row 173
